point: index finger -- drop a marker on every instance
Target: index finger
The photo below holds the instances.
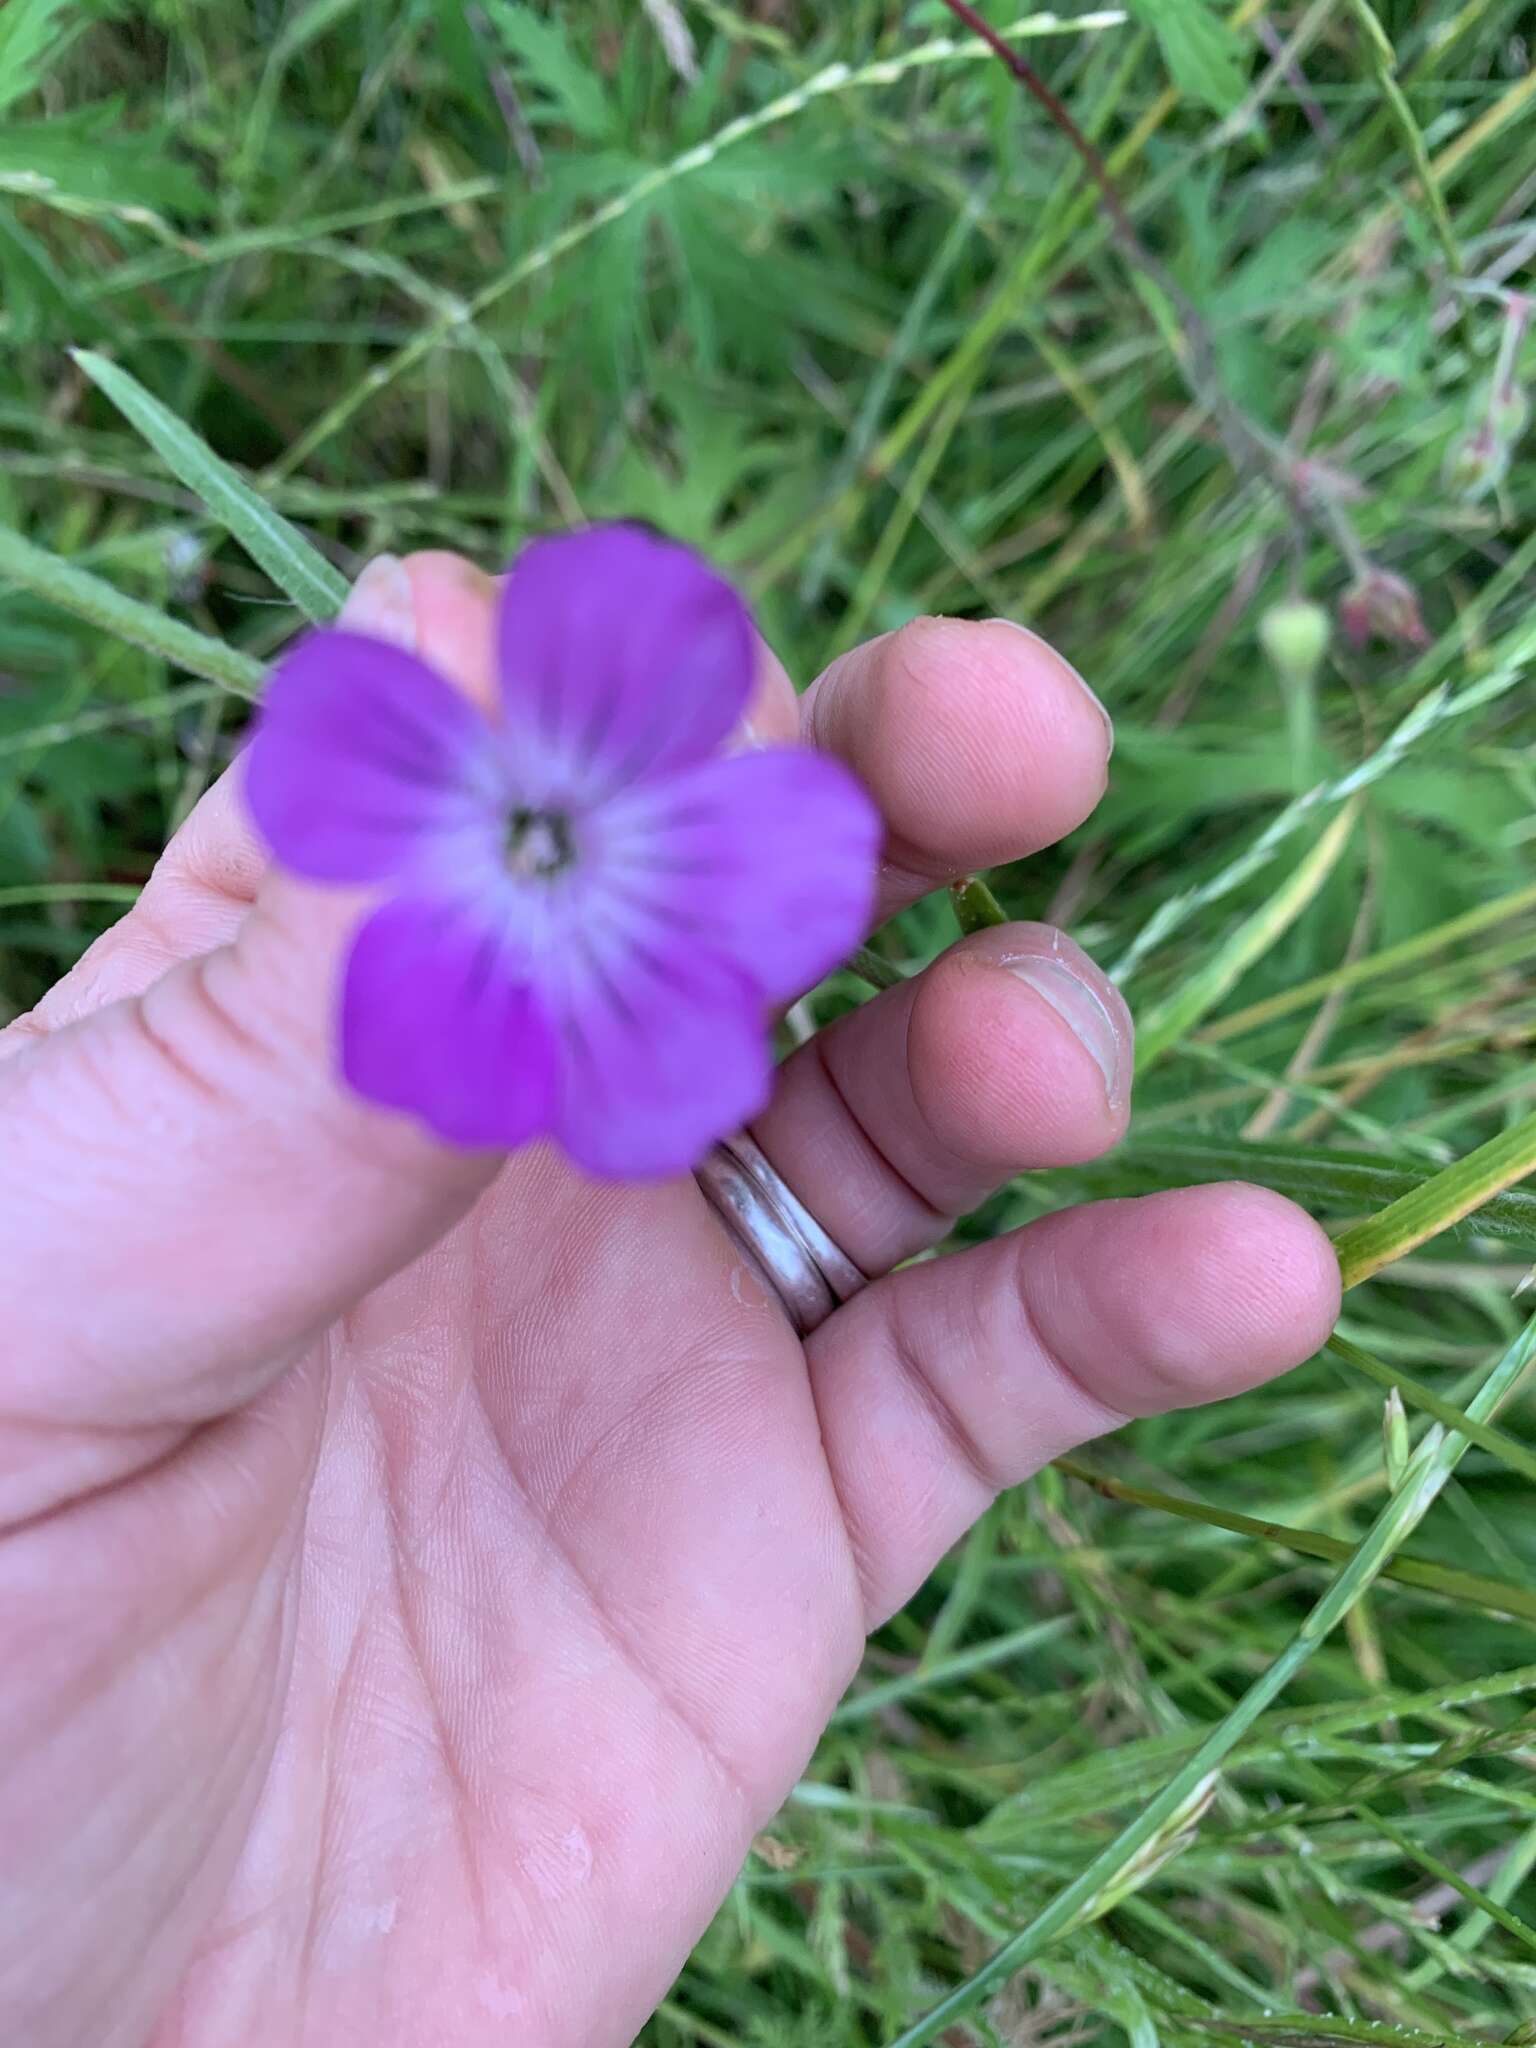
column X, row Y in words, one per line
column 978, row 741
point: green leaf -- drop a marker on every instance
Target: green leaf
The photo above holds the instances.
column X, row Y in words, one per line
column 1318, row 1178
column 294, row 566
column 87, row 155
column 1203, row 55
column 30, row 33
column 36, row 293
column 573, row 96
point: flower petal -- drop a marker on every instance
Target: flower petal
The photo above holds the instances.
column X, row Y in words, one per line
column 765, row 859
column 622, row 655
column 366, row 764
column 438, row 1019
column 659, row 1058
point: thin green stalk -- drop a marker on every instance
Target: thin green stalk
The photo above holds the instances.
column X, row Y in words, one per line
column 874, row 968
column 982, row 1657
column 1475, row 1588
column 275, row 235
column 1516, row 1868
column 1518, row 1456
column 861, row 433
column 877, row 570
column 1407, row 953
column 104, row 717
column 88, row 597
column 1510, row 1922
column 1428, row 1470
column 1167, row 1022
column 1384, row 60
column 1348, row 1182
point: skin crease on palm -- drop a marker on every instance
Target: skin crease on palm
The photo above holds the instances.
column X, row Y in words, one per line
column 420, row 1574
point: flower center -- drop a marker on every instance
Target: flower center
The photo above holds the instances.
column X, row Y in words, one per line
column 539, row 844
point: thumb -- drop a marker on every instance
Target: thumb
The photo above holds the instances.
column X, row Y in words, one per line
column 190, row 1192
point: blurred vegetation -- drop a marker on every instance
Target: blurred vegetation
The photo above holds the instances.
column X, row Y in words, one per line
column 823, row 292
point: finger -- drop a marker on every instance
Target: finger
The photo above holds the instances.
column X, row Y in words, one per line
column 979, row 743
column 190, row 1192
column 951, row 1380
column 1011, row 1051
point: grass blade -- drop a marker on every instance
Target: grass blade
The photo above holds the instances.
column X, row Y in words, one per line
column 1473, row 1894
column 1407, row 953
column 281, row 550
column 1169, row 1021
column 1319, row 1178
column 88, row 597
column 1428, row 1470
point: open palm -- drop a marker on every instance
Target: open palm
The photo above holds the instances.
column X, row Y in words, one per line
column 421, row 1574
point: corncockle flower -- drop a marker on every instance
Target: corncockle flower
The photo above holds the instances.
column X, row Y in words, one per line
column 590, row 910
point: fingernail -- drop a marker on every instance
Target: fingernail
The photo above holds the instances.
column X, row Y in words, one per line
column 1067, row 669
column 381, row 602
column 1081, row 1008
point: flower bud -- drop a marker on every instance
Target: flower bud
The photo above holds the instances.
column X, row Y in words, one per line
column 1394, row 1437
column 1382, row 606
column 1176, row 1835
column 1295, row 635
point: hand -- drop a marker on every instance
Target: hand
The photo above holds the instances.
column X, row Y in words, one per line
column 421, row 1575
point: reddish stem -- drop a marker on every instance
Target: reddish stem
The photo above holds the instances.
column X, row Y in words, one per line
column 1030, row 78
column 1252, row 451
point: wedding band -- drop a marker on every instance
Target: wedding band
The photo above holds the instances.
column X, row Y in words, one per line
column 808, row 1272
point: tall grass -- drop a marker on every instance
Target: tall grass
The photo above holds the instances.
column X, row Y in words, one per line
column 1223, row 1731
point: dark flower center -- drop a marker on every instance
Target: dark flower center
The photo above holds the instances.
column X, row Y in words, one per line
column 539, row 844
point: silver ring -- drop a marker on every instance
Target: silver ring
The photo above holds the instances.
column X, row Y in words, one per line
column 808, row 1272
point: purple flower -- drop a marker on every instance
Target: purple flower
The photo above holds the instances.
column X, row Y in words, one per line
column 590, row 909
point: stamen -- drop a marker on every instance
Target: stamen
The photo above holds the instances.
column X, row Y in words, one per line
column 539, row 844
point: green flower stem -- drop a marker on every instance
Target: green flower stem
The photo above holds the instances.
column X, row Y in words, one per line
column 976, row 908
column 945, row 1670
column 88, row 597
column 1438, row 1203
column 875, row 969
column 1410, row 1500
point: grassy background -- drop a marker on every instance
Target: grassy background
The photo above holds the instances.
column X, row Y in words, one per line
column 837, row 303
